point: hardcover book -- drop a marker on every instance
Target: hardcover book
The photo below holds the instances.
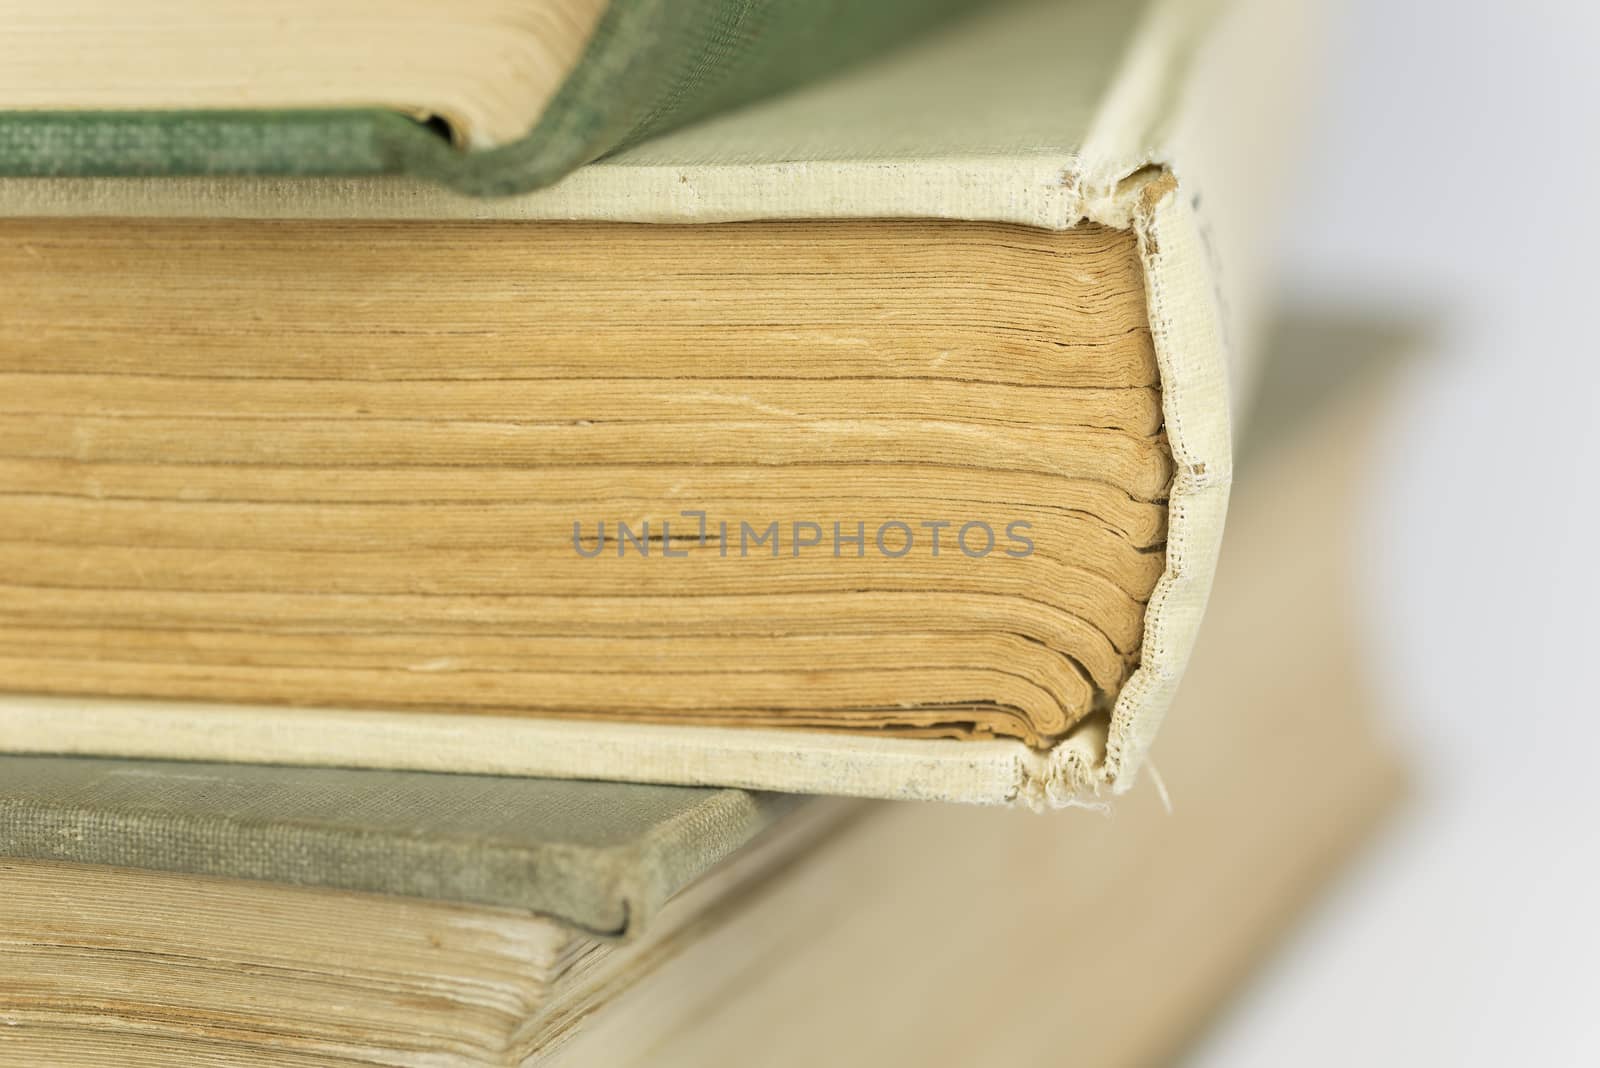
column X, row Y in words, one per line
column 890, row 459
column 489, row 96
column 259, row 915
column 201, row 913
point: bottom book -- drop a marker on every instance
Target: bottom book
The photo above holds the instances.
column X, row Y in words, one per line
column 164, row 913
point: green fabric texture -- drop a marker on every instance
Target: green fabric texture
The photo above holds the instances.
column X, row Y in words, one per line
column 167, row 143
column 599, row 857
column 651, row 66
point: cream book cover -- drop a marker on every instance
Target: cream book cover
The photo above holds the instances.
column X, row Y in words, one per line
column 1104, row 160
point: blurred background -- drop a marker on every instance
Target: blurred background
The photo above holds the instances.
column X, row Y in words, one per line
column 1450, row 179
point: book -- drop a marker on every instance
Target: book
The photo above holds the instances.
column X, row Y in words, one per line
column 594, row 857
column 375, row 474
column 500, row 925
column 147, row 916
column 489, row 96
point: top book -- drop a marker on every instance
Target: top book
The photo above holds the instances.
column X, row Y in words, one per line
column 486, row 96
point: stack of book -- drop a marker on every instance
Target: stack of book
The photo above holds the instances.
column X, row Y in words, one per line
column 466, row 474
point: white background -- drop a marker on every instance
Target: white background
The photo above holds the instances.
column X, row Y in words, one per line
column 1456, row 166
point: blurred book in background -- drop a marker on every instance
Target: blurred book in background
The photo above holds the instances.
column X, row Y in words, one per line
column 490, row 96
